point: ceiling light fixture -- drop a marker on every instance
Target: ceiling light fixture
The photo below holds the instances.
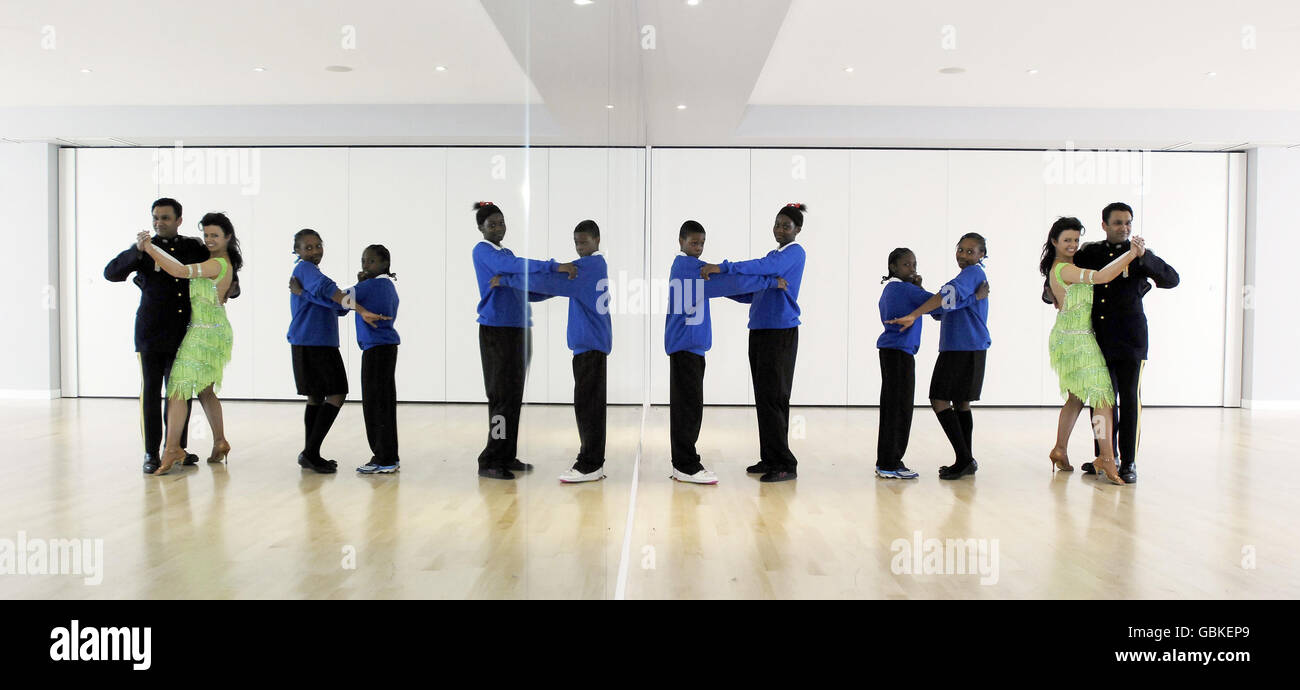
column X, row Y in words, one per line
column 681, row 107
column 849, row 70
column 582, row 2
column 952, row 70
column 1031, row 71
column 86, row 70
column 259, row 69
column 338, row 68
column 440, row 68
column 1211, row 74
column 609, row 106
column 692, row 3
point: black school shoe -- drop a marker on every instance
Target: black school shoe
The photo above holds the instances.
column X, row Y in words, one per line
column 518, row 465
column 151, row 463
column 320, row 465
column 760, row 467
column 191, row 459
column 495, row 473
column 778, row 476
column 1088, row 468
column 1128, row 472
column 948, row 472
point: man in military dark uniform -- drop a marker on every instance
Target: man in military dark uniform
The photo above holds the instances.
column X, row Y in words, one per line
column 1121, row 327
column 161, row 320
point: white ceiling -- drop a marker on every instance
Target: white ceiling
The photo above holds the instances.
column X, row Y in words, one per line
column 752, row 72
column 201, row 52
column 1095, row 54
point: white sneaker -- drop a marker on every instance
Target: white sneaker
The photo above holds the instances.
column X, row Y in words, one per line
column 573, row 476
column 701, row 477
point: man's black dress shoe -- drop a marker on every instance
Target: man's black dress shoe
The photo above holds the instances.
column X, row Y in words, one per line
column 1088, row 468
column 151, row 463
column 304, row 462
column 495, row 473
column 949, row 472
column 191, row 459
column 1128, row 472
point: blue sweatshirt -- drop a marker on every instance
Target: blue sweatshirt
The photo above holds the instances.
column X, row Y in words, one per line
column 590, row 327
column 900, row 299
column 965, row 319
column 773, row 308
column 689, row 326
column 314, row 314
column 503, row 307
column 379, row 295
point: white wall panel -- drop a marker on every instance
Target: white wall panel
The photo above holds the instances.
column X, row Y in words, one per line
column 710, row 186
column 395, row 199
column 114, row 190
column 1185, row 223
column 863, row 204
column 899, row 200
column 1000, row 195
column 515, row 180
column 822, row 180
column 607, row 186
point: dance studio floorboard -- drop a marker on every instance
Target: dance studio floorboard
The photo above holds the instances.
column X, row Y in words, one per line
column 1212, row 517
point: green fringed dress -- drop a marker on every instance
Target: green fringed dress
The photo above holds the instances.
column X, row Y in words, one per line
column 205, row 351
column 1076, row 359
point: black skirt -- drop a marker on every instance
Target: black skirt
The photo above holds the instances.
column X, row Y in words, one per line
column 958, row 375
column 318, row 371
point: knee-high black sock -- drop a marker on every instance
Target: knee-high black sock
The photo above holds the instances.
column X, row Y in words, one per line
column 967, row 426
column 324, row 420
column 309, row 423
column 952, row 428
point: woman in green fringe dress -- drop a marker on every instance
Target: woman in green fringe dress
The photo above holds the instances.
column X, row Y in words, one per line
column 1075, row 357
column 205, row 351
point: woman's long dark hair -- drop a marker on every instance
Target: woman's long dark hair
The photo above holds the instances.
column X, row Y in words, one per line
column 232, row 247
column 1049, row 250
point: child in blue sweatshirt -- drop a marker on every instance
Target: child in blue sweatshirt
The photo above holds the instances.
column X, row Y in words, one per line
column 898, row 362
column 315, row 305
column 375, row 290
column 963, row 345
column 774, row 342
column 590, row 336
column 504, row 319
column 688, row 334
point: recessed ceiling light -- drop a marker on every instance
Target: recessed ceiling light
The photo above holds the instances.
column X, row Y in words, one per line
column 681, row 107
column 582, row 2
column 692, row 3
column 1211, row 74
column 259, row 69
column 952, row 70
column 86, row 70
column 609, row 106
column 441, row 68
column 848, row 69
column 1031, row 71
column 338, row 68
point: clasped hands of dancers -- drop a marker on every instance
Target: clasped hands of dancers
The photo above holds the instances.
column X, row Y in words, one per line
column 190, row 347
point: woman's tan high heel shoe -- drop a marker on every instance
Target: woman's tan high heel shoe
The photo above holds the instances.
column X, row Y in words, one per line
column 170, row 458
column 220, row 450
column 1060, row 462
column 1107, row 467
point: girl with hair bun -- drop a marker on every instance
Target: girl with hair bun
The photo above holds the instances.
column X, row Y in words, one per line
column 505, row 321
column 773, row 340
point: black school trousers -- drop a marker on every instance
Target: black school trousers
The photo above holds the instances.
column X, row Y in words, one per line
column 772, row 353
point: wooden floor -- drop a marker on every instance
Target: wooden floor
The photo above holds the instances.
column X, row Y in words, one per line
column 1217, row 495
